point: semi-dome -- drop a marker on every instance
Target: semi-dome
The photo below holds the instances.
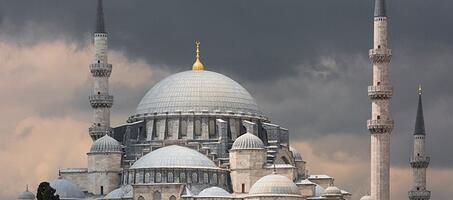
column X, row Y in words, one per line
column 296, row 154
column 174, row 156
column 366, row 198
column 214, row 192
column 274, row 185
column 66, row 189
column 247, row 141
column 332, row 191
column 106, row 144
column 123, row 192
column 197, row 91
column 26, row 195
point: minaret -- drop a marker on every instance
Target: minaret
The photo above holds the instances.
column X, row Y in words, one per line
column 380, row 125
column 100, row 99
column 419, row 161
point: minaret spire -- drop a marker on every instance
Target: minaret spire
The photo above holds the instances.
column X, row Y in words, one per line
column 419, row 161
column 100, row 24
column 381, row 124
column 380, row 9
column 100, row 99
column 419, row 120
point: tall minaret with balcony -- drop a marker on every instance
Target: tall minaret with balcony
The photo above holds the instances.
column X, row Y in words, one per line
column 380, row 125
column 100, row 99
column 419, row 161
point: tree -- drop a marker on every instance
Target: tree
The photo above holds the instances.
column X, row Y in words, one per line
column 45, row 192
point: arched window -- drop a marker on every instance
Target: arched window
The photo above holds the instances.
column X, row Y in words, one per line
column 194, row 177
column 141, row 198
column 170, row 177
column 157, row 195
column 206, row 178
column 214, row 179
column 147, row 176
column 158, row 177
column 172, row 197
column 182, row 177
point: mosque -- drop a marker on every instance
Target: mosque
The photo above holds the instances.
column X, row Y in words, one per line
column 199, row 135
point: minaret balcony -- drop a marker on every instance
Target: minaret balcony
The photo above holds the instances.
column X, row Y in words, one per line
column 420, row 162
column 101, row 100
column 97, row 132
column 380, row 125
column 419, row 194
column 380, row 91
column 380, row 55
column 101, row 69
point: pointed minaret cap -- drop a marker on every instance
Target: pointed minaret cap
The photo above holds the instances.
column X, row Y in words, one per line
column 197, row 65
column 380, row 8
column 100, row 24
column 419, row 120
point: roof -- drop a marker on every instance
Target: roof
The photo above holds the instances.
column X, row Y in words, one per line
column 174, row 156
column 106, row 144
column 296, row 154
column 66, row 189
column 197, row 91
column 214, row 192
column 332, row 191
column 26, row 195
column 380, row 8
column 100, row 23
column 274, row 185
column 247, row 141
column 319, row 176
column 419, row 120
column 305, row 182
column 120, row 193
column 366, row 198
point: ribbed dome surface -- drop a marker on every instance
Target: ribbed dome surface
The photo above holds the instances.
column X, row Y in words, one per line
column 27, row 195
column 297, row 156
column 247, row 141
column 120, row 193
column 197, row 91
column 274, row 185
column 332, row 191
column 174, row 157
column 214, row 192
column 105, row 144
column 66, row 189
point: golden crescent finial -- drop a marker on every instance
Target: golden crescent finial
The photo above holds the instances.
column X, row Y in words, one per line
column 419, row 89
column 197, row 65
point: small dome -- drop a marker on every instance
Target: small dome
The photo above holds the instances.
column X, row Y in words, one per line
column 26, row 195
column 106, row 144
column 122, row 192
column 297, row 156
column 66, row 189
column 174, row 156
column 214, row 192
column 274, row 185
column 366, row 198
column 319, row 190
column 247, row 141
column 332, row 191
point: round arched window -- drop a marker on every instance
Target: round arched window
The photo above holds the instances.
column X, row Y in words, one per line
column 172, row 197
column 141, row 198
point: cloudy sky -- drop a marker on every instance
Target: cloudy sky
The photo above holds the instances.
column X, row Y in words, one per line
column 304, row 61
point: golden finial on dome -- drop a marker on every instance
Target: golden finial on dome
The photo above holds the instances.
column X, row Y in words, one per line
column 198, row 65
column 419, row 89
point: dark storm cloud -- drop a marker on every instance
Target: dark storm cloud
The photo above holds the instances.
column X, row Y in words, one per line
column 304, row 61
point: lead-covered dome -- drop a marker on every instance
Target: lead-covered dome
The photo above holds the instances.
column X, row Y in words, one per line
column 106, row 144
column 26, row 195
column 174, row 156
column 197, row 91
column 274, row 185
column 66, row 189
column 214, row 192
column 247, row 141
column 367, row 197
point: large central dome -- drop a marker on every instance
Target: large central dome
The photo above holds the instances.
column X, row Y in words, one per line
column 197, row 91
